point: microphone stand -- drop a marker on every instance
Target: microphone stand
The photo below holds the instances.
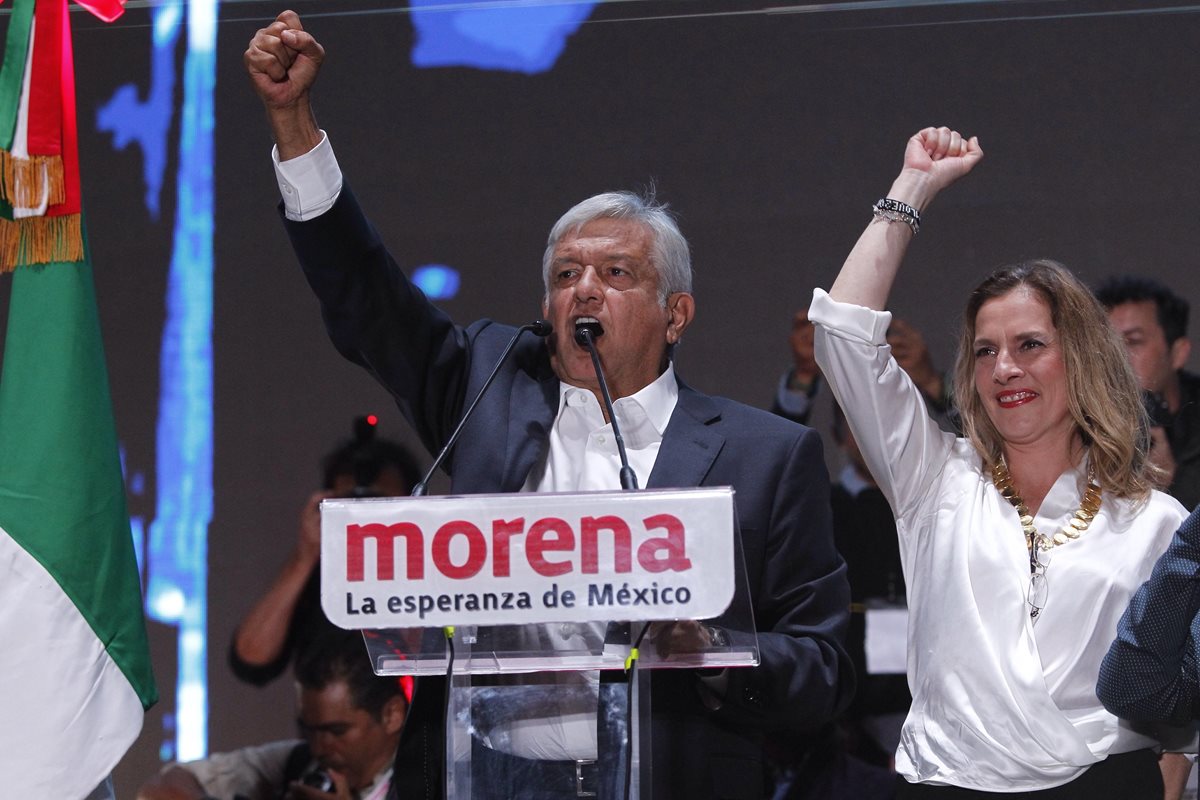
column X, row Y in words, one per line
column 540, row 328
column 618, row 632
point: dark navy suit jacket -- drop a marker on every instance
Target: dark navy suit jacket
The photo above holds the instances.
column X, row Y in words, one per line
column 1150, row 672
column 800, row 598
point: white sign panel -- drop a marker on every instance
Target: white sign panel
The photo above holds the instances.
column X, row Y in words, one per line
column 513, row 559
column 887, row 640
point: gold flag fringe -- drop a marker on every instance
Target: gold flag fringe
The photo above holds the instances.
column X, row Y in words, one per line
column 21, row 184
column 40, row 240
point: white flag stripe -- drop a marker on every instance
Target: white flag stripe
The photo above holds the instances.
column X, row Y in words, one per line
column 20, row 145
column 63, row 700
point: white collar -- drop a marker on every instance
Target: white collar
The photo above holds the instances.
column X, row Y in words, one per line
column 653, row 403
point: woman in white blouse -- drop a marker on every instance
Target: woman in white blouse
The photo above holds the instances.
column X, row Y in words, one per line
column 1023, row 541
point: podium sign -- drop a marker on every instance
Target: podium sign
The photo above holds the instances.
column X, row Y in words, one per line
column 515, row 559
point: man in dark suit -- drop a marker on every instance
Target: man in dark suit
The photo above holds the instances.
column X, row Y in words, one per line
column 617, row 261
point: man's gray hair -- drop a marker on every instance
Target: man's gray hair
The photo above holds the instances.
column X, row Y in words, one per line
column 669, row 251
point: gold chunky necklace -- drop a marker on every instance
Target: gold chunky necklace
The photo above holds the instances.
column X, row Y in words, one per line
column 1089, row 505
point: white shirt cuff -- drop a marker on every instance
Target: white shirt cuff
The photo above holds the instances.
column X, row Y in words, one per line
column 309, row 184
column 850, row 320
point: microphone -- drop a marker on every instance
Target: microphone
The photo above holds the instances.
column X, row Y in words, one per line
column 540, row 328
column 586, row 331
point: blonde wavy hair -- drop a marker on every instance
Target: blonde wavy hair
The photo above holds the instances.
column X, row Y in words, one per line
column 1102, row 392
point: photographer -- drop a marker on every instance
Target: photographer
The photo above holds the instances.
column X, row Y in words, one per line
column 350, row 719
column 288, row 615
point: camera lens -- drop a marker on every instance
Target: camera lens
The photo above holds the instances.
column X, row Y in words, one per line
column 317, row 778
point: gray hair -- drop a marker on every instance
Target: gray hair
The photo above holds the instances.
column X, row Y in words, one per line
column 669, row 252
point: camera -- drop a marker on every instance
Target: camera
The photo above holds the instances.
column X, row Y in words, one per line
column 318, row 779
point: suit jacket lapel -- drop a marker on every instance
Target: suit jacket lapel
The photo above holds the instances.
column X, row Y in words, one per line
column 690, row 443
column 534, row 405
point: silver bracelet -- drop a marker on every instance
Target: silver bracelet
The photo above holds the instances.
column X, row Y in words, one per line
column 895, row 211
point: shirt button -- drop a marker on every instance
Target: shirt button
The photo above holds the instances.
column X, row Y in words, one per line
column 601, row 439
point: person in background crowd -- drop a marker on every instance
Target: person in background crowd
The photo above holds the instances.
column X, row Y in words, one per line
column 288, row 616
column 1022, row 541
column 800, row 386
column 350, row 720
column 865, row 532
column 854, row 758
column 1153, row 321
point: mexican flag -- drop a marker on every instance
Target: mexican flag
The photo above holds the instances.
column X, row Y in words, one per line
column 74, row 662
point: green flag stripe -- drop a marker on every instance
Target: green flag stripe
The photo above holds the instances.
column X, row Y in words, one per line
column 61, row 492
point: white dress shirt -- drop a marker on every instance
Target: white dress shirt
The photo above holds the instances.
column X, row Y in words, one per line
column 583, row 453
column 583, row 457
column 1000, row 702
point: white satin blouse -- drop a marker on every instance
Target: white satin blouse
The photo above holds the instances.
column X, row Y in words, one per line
column 1000, row 702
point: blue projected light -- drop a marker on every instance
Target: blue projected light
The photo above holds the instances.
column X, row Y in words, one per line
column 135, row 484
column 437, row 281
column 525, row 37
column 179, row 533
column 176, row 554
column 147, row 123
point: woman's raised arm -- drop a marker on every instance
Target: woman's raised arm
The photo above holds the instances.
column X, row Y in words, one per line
column 934, row 159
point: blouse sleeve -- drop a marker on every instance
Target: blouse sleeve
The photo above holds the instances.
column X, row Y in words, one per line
column 902, row 446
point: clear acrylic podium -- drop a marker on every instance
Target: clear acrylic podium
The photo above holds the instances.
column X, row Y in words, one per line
column 569, row 665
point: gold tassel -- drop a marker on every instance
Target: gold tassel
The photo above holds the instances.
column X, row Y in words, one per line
column 40, row 240
column 22, row 180
column 7, row 180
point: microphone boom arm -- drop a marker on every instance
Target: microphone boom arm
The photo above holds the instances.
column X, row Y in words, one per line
column 539, row 328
